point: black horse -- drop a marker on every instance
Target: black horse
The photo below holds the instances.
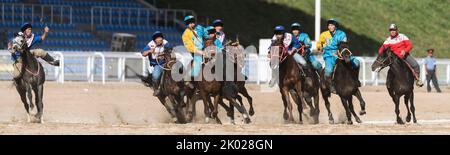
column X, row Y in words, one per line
column 172, row 91
column 399, row 82
column 343, row 74
column 310, row 86
column 32, row 79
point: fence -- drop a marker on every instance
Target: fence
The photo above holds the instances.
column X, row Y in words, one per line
column 123, row 66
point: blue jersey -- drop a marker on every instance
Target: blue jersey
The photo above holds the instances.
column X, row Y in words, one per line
column 304, row 39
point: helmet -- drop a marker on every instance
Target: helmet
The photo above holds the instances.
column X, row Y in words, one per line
column 25, row 26
column 279, row 29
column 333, row 21
column 189, row 19
column 157, row 34
column 217, row 22
column 296, row 26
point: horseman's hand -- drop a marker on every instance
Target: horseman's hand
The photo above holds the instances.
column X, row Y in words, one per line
column 293, row 51
column 9, row 45
column 46, row 29
column 268, row 55
column 403, row 53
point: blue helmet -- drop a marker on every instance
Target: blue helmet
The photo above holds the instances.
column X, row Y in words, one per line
column 157, row 34
column 217, row 22
column 189, row 19
column 279, row 29
column 210, row 30
column 296, row 26
column 333, row 21
column 25, row 26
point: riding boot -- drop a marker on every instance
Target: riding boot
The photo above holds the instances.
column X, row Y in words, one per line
column 331, row 85
column 49, row 59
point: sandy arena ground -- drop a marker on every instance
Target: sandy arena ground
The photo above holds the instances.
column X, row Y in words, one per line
column 130, row 108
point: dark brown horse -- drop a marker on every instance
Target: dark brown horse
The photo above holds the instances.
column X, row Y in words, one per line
column 289, row 79
column 399, row 82
column 215, row 88
column 172, row 91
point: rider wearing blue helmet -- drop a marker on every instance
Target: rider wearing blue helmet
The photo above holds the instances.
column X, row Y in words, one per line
column 155, row 48
column 300, row 39
column 31, row 39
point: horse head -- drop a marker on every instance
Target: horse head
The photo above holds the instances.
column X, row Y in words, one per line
column 19, row 43
column 383, row 60
column 344, row 53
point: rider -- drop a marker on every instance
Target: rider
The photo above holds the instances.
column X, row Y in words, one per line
column 300, row 39
column 328, row 43
column 279, row 34
column 156, row 48
column 193, row 41
column 401, row 46
column 218, row 26
column 213, row 39
column 31, row 39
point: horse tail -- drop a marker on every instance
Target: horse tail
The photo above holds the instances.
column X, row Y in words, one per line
column 146, row 80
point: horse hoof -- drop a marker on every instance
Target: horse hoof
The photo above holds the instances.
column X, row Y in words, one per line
column 174, row 120
column 247, row 121
column 233, row 122
column 363, row 112
column 358, row 120
column 414, row 120
column 207, row 120
column 251, row 112
column 331, row 121
column 300, row 122
column 349, row 123
column 408, row 118
column 286, row 116
column 400, row 121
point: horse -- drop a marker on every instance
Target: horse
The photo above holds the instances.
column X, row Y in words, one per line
column 289, row 80
column 219, row 90
column 310, row 86
column 171, row 96
column 399, row 82
column 346, row 82
column 324, row 86
column 32, row 78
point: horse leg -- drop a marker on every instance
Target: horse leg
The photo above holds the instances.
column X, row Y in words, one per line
column 413, row 109
column 285, row 113
column 285, row 94
column 408, row 116
column 241, row 110
column 361, row 102
column 217, row 99
column 308, row 99
column 347, row 110
column 22, row 90
column 169, row 107
column 30, row 98
column 206, row 106
column 327, row 105
column 39, row 92
column 229, row 109
column 396, row 99
column 350, row 106
column 316, row 104
column 244, row 92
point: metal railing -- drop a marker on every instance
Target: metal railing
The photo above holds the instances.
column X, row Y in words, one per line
column 260, row 71
column 46, row 13
column 142, row 16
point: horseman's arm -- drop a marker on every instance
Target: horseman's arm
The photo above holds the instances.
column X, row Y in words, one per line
column 409, row 45
column 46, row 30
column 188, row 42
column 147, row 50
column 320, row 42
